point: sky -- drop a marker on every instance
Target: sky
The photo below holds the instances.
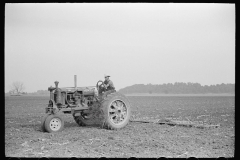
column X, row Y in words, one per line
column 135, row 43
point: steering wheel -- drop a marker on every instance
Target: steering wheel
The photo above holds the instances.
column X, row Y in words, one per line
column 100, row 86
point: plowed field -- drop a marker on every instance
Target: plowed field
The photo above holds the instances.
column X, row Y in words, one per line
column 23, row 137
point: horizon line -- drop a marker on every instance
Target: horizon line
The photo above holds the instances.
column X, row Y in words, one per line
column 147, row 84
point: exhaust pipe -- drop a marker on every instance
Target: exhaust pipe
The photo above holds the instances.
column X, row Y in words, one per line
column 58, row 98
column 56, row 84
column 75, row 81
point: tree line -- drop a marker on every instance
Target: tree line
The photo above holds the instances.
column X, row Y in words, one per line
column 179, row 88
column 169, row 88
column 41, row 92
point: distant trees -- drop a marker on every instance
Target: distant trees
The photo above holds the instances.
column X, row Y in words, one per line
column 43, row 92
column 179, row 88
column 17, row 87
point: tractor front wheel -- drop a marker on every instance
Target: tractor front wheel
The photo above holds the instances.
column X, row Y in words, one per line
column 43, row 123
column 54, row 123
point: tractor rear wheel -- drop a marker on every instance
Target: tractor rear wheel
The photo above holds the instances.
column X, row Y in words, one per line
column 117, row 111
column 112, row 113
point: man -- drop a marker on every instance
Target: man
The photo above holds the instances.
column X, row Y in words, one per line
column 108, row 84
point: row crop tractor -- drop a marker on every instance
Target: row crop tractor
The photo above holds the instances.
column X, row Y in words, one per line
column 89, row 106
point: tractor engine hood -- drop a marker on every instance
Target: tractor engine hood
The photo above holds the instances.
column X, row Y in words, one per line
column 88, row 89
column 73, row 89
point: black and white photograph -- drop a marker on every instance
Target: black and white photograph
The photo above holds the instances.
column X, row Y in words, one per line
column 119, row 80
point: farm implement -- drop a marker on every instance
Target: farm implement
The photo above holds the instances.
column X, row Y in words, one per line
column 177, row 123
column 89, row 106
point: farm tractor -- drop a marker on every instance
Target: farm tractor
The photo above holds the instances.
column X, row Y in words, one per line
column 89, row 106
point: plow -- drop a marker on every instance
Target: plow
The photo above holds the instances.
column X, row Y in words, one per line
column 177, row 123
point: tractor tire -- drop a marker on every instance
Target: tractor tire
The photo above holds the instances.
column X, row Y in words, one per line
column 43, row 122
column 112, row 113
column 54, row 123
column 117, row 111
column 93, row 118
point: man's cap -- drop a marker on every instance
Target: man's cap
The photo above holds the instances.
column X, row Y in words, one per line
column 106, row 75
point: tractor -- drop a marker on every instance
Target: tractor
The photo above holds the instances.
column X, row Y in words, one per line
column 89, row 106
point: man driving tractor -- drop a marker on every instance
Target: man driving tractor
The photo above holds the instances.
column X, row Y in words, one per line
column 107, row 86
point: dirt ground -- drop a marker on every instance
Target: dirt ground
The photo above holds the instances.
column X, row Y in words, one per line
column 23, row 137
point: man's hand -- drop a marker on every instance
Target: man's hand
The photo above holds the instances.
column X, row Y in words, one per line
column 105, row 85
